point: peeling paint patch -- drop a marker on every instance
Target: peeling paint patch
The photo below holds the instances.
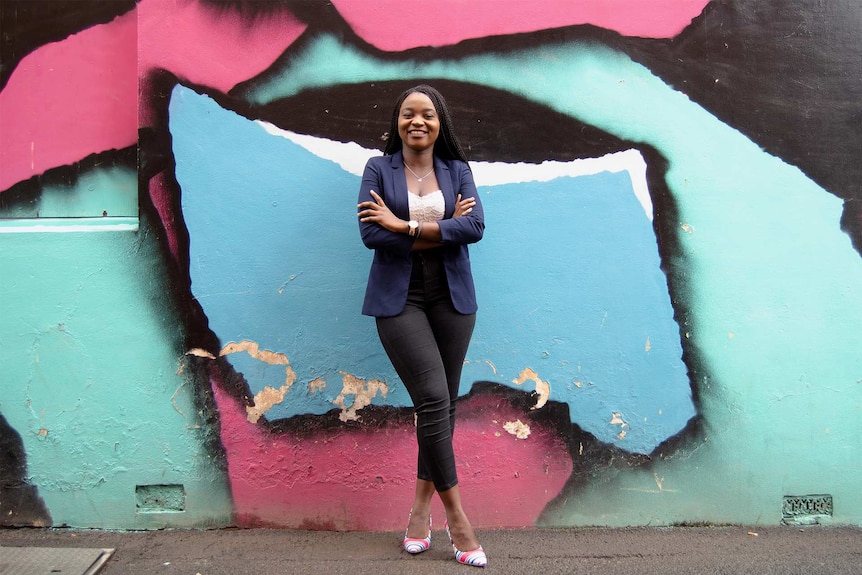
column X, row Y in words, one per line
column 543, row 388
column 363, row 391
column 264, row 400
column 687, row 228
column 517, row 428
column 648, row 345
column 617, row 419
column 268, row 396
column 198, row 352
column 316, row 384
column 251, row 348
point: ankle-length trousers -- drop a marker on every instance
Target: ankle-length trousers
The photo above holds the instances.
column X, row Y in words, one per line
column 427, row 343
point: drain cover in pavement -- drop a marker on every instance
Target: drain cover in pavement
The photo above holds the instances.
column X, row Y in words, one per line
column 52, row 561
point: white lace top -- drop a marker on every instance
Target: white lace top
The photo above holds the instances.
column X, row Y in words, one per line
column 427, row 208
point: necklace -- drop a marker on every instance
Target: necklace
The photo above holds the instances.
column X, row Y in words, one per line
column 418, row 179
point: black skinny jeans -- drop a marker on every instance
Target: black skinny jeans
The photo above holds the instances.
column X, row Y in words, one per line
column 427, row 343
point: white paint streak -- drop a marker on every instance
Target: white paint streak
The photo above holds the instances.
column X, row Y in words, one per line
column 485, row 361
column 174, row 400
column 659, row 483
column 352, row 158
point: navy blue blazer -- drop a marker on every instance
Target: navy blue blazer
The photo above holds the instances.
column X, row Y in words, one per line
column 389, row 277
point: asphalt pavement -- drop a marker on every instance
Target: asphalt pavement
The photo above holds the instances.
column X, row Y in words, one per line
column 737, row 550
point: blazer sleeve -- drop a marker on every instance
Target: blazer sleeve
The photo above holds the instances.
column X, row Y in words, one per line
column 375, row 236
column 470, row 228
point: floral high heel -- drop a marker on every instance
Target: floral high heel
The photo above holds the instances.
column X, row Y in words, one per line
column 475, row 558
column 414, row 545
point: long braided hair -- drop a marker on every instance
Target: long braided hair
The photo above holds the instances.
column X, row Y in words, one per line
column 447, row 145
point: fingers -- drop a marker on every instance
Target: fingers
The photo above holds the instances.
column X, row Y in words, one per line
column 372, row 211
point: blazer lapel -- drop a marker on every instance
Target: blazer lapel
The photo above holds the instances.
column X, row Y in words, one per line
column 445, row 180
column 398, row 203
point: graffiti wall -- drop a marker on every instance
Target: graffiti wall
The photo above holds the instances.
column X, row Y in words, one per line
column 670, row 282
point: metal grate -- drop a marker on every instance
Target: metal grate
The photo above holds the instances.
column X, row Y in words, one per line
column 43, row 560
column 806, row 508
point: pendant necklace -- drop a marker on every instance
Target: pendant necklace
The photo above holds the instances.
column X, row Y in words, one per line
column 418, row 179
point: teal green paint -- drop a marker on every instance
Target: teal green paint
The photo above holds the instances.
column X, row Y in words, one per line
column 99, row 192
column 89, row 360
column 774, row 286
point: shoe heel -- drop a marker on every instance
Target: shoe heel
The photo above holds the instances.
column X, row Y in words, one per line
column 415, row 545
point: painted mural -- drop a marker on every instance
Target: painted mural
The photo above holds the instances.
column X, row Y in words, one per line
column 670, row 283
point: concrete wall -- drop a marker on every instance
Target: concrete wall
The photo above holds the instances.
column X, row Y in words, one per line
column 670, row 283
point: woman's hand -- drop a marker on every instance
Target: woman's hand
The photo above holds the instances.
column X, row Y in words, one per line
column 463, row 207
column 377, row 212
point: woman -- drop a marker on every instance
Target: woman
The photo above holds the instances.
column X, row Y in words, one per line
column 418, row 210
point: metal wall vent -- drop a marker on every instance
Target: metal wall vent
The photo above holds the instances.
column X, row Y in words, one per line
column 806, row 509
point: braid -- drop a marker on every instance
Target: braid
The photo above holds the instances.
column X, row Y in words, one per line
column 447, row 145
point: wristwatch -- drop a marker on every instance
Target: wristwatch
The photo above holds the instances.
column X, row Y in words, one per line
column 412, row 226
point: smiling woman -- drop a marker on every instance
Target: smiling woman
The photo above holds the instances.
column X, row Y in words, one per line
column 420, row 290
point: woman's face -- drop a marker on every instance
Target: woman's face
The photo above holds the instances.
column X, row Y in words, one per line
column 418, row 123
